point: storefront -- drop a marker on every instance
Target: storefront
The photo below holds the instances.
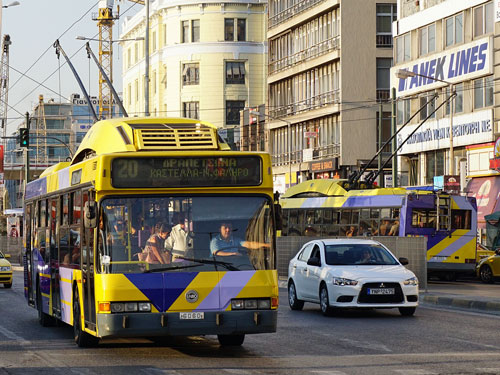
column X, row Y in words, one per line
column 324, row 169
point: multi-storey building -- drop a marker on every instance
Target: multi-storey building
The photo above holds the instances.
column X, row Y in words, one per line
column 448, row 47
column 207, row 59
column 328, row 71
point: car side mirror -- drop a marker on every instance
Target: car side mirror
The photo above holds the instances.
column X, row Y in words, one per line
column 403, row 261
column 314, row 262
column 90, row 214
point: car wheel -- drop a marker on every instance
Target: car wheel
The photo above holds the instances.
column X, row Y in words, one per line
column 295, row 304
column 82, row 339
column 486, row 274
column 407, row 311
column 45, row 320
column 231, row 340
column 7, row 286
column 324, row 301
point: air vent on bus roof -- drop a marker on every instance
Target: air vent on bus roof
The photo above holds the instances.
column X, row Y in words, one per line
column 174, row 136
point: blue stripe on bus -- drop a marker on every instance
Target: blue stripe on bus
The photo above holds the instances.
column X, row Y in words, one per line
column 374, row 201
column 36, row 188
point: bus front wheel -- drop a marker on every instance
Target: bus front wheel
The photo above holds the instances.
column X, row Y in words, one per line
column 231, row 340
column 82, row 339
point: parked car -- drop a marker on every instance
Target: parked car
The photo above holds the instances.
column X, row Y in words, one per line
column 350, row 273
column 488, row 268
column 5, row 271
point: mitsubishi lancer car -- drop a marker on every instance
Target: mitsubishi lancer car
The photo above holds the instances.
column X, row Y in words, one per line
column 350, row 273
column 5, row 271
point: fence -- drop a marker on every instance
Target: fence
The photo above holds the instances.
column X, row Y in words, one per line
column 413, row 248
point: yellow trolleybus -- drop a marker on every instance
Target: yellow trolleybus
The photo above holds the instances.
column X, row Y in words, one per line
column 91, row 225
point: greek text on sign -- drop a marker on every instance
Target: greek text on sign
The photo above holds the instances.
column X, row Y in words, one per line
column 454, row 65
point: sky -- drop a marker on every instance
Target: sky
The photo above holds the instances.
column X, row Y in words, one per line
column 34, row 26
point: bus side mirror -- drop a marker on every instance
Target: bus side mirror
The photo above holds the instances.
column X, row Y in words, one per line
column 278, row 216
column 90, row 214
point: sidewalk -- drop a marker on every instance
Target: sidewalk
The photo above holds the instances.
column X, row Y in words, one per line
column 470, row 296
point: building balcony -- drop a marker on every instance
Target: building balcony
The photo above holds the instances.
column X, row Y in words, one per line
column 384, row 41
column 289, row 12
column 383, row 95
column 330, row 97
column 321, row 152
column 305, row 55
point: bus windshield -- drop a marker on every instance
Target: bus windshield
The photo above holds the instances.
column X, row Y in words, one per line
column 185, row 233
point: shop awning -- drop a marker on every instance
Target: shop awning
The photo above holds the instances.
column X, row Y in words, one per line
column 486, row 191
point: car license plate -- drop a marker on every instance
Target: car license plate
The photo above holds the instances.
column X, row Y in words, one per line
column 192, row 315
column 380, row 291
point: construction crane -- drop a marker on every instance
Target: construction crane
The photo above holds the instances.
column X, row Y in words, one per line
column 4, row 85
column 105, row 20
column 41, row 132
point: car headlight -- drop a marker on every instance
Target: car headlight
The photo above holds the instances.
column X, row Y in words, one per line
column 411, row 281
column 342, row 282
column 4, row 268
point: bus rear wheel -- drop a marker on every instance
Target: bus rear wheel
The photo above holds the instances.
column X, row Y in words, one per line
column 231, row 340
column 82, row 339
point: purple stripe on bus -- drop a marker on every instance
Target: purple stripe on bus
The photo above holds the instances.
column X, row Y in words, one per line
column 374, row 201
column 457, row 245
column 229, row 287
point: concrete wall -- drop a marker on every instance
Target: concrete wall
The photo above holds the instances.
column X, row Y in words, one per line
column 12, row 246
column 413, row 248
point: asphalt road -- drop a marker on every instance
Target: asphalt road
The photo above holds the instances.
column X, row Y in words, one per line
column 434, row 341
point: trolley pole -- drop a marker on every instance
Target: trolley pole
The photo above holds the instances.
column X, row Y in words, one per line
column 26, row 155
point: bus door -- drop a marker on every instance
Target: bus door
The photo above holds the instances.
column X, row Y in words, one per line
column 87, row 262
column 28, row 265
column 54, row 255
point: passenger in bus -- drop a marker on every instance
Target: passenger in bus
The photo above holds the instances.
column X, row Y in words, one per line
column 155, row 246
column 394, row 229
column 225, row 244
column 351, row 231
column 179, row 243
column 385, row 227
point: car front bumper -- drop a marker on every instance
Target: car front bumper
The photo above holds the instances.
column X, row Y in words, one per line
column 6, row 277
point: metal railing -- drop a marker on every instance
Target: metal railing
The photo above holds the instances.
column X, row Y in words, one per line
column 296, row 8
column 330, row 97
column 304, row 55
column 320, row 152
column 384, row 40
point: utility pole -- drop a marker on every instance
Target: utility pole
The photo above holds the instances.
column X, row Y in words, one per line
column 382, row 177
column 394, row 143
column 26, row 156
column 146, row 77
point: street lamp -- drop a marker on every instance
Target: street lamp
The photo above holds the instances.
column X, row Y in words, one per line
column 13, row 4
column 289, row 125
column 403, row 74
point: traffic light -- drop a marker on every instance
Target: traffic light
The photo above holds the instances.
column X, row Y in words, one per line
column 24, row 137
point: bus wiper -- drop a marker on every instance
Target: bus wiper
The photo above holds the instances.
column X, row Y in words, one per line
column 227, row 265
column 161, row 269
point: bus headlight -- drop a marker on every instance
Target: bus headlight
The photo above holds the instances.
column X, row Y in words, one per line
column 120, row 307
column 117, row 307
column 144, row 306
column 413, row 281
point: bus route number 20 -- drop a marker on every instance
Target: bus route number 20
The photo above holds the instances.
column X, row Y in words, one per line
column 127, row 168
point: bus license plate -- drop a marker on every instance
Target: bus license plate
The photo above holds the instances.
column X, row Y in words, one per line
column 380, row 291
column 191, row 315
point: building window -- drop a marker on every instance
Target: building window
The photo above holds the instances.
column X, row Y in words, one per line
column 241, row 30
column 191, row 110
column 190, row 74
column 403, row 48
column 185, row 31
column 235, row 72
column 483, row 19
column 403, row 109
column 386, row 14
column 228, row 29
column 454, row 29
column 458, row 102
column 434, row 163
column 195, row 31
column 483, row 92
column 427, row 38
column 383, row 78
column 233, row 108
column 428, row 105
column 153, row 41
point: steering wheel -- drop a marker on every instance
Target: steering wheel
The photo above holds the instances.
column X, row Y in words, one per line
column 231, row 249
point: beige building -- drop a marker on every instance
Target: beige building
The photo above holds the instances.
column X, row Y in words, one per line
column 207, row 59
column 328, row 73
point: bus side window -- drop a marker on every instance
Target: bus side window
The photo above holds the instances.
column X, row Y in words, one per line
column 460, row 219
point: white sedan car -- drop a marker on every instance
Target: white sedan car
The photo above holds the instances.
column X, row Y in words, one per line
column 350, row 273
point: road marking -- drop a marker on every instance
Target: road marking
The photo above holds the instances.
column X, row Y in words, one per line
column 238, row 371
column 415, row 372
column 11, row 335
column 328, row 372
column 154, row 370
column 475, row 343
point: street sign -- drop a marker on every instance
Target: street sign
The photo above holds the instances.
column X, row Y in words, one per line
column 310, row 134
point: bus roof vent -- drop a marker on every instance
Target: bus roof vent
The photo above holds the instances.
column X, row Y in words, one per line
column 149, row 137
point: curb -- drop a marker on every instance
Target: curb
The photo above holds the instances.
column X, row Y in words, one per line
column 489, row 307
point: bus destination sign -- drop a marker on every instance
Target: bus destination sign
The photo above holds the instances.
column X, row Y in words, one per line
column 175, row 172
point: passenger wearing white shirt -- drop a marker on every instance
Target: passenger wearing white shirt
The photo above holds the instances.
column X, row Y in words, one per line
column 179, row 243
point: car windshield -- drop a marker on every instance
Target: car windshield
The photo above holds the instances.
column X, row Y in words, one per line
column 185, row 233
column 358, row 254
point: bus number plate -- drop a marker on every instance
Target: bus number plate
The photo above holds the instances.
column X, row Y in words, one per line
column 191, row 315
column 380, row 291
